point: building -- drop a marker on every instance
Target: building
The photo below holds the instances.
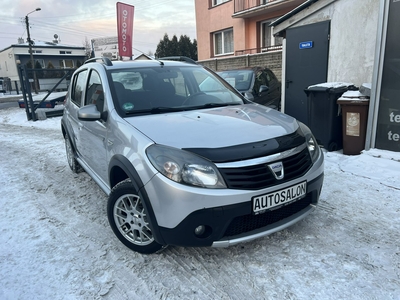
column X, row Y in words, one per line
column 350, row 41
column 45, row 55
column 238, row 27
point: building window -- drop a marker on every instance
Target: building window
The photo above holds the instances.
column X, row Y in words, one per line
column 267, row 38
column 218, row 2
column 223, row 42
column 65, row 52
column 41, row 62
column 66, row 63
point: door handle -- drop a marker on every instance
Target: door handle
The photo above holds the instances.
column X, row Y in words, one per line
column 288, row 82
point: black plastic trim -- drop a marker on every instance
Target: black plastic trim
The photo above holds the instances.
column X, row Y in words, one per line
column 123, row 163
column 251, row 150
column 218, row 220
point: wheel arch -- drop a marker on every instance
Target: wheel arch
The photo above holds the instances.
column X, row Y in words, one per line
column 65, row 134
column 120, row 168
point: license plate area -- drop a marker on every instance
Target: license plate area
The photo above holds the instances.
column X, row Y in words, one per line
column 279, row 198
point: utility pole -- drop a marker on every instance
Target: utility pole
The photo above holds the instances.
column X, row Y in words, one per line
column 30, row 50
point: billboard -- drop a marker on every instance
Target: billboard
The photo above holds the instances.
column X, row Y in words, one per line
column 106, row 47
column 125, row 28
column 388, row 129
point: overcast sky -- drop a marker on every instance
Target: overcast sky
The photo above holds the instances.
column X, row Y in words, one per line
column 75, row 20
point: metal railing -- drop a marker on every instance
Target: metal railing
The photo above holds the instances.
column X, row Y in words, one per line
column 258, row 50
column 243, row 5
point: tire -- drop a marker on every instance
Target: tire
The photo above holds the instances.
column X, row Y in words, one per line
column 129, row 220
column 72, row 162
column 333, row 146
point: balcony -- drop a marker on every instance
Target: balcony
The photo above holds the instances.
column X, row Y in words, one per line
column 259, row 50
column 252, row 8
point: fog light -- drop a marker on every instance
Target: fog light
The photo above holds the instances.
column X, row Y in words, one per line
column 200, row 230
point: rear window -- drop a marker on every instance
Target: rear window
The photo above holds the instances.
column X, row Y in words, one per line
column 239, row 79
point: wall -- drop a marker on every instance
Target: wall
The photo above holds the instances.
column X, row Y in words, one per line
column 352, row 40
column 7, row 65
column 272, row 60
column 209, row 20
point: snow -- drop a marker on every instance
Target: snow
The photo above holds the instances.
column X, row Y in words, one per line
column 56, row 243
column 351, row 95
column 331, row 85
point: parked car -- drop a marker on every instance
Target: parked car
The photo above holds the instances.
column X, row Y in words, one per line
column 257, row 84
column 182, row 166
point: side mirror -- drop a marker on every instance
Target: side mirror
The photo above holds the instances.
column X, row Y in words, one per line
column 89, row 113
column 263, row 89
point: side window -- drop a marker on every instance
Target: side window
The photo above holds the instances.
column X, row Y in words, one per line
column 95, row 92
column 78, row 88
column 179, row 84
column 260, row 80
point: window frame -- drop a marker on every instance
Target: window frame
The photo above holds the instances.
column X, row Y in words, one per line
column 223, row 50
column 64, row 65
column 217, row 2
column 93, row 79
column 83, row 81
column 274, row 41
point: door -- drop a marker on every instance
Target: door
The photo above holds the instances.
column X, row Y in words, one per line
column 93, row 134
column 306, row 64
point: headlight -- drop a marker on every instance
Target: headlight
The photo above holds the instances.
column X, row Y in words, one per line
column 185, row 167
column 312, row 144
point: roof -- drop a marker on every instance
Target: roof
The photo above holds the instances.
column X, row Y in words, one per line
column 41, row 44
column 122, row 64
column 299, row 13
column 292, row 12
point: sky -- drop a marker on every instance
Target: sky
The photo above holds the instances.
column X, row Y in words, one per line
column 56, row 243
column 74, row 21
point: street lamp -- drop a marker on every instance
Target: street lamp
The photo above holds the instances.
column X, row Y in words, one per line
column 30, row 48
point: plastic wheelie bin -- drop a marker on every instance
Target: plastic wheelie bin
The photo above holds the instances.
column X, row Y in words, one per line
column 323, row 117
column 354, row 107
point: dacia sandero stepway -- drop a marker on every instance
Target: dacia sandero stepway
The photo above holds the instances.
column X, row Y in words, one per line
column 183, row 164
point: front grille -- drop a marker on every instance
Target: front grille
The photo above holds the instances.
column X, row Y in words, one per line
column 251, row 222
column 260, row 176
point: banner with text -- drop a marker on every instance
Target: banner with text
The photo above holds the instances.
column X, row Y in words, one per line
column 125, row 28
column 388, row 129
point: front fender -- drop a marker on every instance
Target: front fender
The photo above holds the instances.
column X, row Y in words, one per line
column 118, row 163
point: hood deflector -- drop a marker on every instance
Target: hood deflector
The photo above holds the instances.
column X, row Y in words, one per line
column 251, row 150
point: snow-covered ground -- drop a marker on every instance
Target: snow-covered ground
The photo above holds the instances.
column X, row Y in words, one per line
column 56, row 243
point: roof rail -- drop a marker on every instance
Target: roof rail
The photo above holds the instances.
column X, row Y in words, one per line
column 179, row 58
column 105, row 60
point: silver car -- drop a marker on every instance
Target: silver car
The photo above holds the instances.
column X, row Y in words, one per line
column 186, row 165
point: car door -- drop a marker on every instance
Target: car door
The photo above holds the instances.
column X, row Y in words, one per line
column 76, row 96
column 274, row 92
column 93, row 134
column 260, row 79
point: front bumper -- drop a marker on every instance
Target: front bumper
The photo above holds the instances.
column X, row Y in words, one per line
column 232, row 224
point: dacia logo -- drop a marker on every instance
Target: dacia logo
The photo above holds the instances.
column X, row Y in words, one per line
column 277, row 170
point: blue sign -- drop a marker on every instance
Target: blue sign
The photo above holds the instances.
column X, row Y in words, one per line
column 306, row 45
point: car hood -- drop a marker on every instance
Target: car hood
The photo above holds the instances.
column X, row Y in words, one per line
column 215, row 127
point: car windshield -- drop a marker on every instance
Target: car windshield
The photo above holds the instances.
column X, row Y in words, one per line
column 239, row 79
column 169, row 89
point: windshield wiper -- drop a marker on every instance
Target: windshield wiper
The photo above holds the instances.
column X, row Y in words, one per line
column 154, row 110
column 158, row 110
column 210, row 105
column 161, row 109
